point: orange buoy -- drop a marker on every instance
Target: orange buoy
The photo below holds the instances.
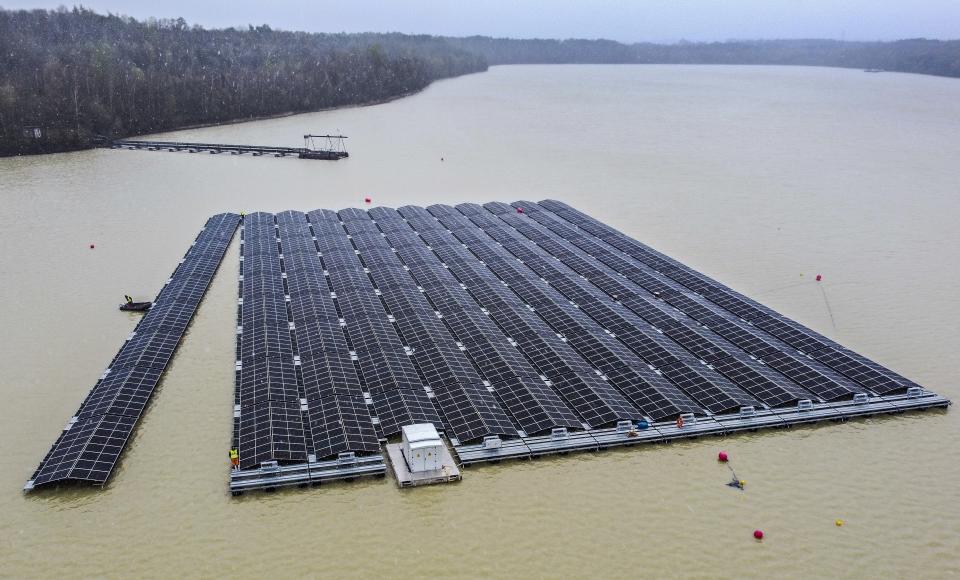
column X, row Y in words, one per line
column 722, row 457
column 758, row 534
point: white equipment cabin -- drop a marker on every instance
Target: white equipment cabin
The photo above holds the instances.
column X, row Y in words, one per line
column 422, row 447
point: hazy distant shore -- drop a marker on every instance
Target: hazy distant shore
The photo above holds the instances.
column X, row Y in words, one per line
column 69, row 76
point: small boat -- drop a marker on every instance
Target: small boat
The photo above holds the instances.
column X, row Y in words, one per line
column 136, row 306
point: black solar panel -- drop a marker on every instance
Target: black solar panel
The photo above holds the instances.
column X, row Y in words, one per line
column 272, row 431
column 763, row 383
column 832, row 373
column 89, row 449
column 708, row 387
column 501, row 319
column 395, row 408
column 864, row 371
column 342, row 423
column 811, row 375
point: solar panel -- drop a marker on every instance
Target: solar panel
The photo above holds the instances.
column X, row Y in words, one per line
column 88, row 449
column 708, row 387
column 768, row 335
column 342, row 423
column 772, row 388
column 445, row 367
column 272, row 431
column 397, row 407
column 580, row 324
column 864, row 371
column 482, row 320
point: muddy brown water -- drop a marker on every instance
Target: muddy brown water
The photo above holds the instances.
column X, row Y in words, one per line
column 762, row 177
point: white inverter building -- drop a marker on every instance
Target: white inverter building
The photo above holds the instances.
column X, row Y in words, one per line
column 422, row 447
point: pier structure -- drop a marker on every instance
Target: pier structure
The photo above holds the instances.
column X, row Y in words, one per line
column 325, row 147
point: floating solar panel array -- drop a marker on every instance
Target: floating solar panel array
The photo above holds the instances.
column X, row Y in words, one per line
column 523, row 324
column 90, row 445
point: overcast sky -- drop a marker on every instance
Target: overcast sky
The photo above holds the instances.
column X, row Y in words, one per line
column 624, row 20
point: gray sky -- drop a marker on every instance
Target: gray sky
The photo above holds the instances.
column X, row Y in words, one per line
column 624, row 20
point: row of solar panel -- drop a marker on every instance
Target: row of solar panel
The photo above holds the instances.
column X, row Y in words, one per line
column 593, row 343
column 736, row 366
column 395, row 388
column 713, row 349
column 797, row 345
column 90, row 446
column 642, row 338
column 524, row 321
column 295, row 391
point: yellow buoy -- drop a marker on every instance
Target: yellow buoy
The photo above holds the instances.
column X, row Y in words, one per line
column 839, row 523
column 743, row 482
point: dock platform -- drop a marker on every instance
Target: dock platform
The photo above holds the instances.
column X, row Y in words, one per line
column 271, row 475
column 667, row 431
column 333, row 153
column 448, row 473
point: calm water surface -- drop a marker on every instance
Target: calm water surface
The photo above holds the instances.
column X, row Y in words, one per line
column 760, row 176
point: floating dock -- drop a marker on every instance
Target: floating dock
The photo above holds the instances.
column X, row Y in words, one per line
column 333, row 150
column 90, row 444
column 405, row 478
column 515, row 330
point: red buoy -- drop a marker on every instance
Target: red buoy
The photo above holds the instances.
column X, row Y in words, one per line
column 758, row 534
column 722, row 457
column 819, row 277
column 519, row 210
column 91, row 246
column 367, row 200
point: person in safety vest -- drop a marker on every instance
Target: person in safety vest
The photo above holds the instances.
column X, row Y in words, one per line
column 235, row 458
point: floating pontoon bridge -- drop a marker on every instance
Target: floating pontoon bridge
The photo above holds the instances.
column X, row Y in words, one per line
column 516, row 330
column 327, row 147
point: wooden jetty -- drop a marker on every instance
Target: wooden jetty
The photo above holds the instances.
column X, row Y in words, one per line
column 330, row 148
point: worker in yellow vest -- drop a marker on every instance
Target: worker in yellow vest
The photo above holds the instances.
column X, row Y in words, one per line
column 235, row 458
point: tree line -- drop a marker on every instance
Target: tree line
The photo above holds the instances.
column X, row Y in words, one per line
column 933, row 57
column 67, row 76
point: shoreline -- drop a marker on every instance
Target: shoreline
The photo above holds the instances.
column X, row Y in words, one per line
column 372, row 103
column 286, row 114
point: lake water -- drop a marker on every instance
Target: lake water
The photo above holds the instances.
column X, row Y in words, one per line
column 762, row 177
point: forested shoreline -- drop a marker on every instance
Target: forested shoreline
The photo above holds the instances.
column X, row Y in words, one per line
column 67, row 76
column 919, row 55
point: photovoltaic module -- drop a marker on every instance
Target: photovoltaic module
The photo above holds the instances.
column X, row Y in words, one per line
column 515, row 329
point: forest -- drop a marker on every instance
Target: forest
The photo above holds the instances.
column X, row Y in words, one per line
column 934, row 57
column 67, row 76
column 70, row 75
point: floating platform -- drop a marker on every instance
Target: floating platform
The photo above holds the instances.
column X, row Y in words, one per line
column 271, row 475
column 664, row 432
column 90, row 444
column 330, row 154
column 449, row 471
column 517, row 330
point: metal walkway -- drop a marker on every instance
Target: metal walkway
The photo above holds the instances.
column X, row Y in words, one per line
column 330, row 153
column 271, row 476
column 493, row 449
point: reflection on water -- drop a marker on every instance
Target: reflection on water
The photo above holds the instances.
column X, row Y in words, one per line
column 760, row 176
